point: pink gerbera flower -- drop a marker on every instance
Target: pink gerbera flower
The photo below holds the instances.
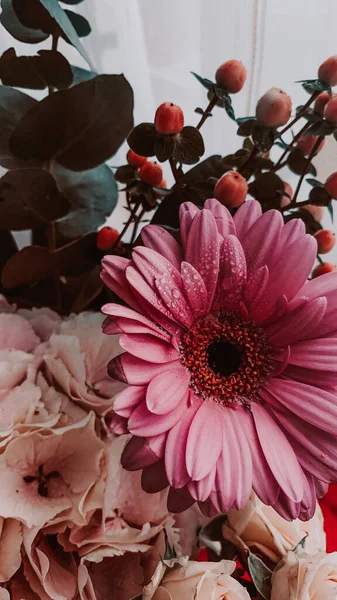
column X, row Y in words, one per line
column 230, row 357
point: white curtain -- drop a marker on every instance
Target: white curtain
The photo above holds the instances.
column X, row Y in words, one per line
column 156, row 43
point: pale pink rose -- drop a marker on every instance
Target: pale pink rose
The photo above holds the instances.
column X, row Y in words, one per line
column 51, row 572
column 43, row 321
column 77, row 359
column 48, row 472
column 264, row 530
column 119, row 577
column 304, row 577
column 10, row 547
column 16, row 333
column 4, row 594
column 201, row 581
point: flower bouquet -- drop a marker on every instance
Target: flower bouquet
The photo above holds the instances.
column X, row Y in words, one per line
column 180, row 452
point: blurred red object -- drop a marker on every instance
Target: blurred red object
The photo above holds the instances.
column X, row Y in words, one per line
column 329, row 508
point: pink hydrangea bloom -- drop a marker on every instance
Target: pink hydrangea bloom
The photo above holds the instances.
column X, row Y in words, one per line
column 230, row 357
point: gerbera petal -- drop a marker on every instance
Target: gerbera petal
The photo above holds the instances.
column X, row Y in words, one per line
column 234, row 467
column 162, row 276
column 126, row 401
column 311, row 377
column 291, row 232
column 154, row 478
column 113, row 275
column 203, row 251
column 316, row 406
column 319, row 354
column 255, row 287
column 233, row 272
column 223, row 218
column 201, row 490
column 298, row 324
column 144, row 423
column 175, row 452
column 326, row 286
column 148, row 347
column 316, row 450
column 205, row 432
column 179, row 500
column 161, row 241
column 195, row 289
column 117, row 424
column 249, row 212
column 292, row 268
column 118, row 311
column 260, row 242
column 150, row 300
column 187, row 212
column 166, row 390
column 278, row 453
column 138, row 454
column 135, row 371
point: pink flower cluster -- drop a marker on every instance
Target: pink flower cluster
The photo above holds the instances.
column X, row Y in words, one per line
column 68, row 512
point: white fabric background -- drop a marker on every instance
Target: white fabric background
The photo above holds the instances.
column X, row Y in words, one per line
column 156, row 43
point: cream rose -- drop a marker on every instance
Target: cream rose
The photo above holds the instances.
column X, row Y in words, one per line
column 201, row 581
column 263, row 529
column 304, row 577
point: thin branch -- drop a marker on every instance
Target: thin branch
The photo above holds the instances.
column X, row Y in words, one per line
column 304, row 172
column 301, row 112
column 208, row 112
column 281, row 164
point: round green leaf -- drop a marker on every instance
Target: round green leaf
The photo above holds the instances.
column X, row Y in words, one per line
column 10, row 21
column 79, row 23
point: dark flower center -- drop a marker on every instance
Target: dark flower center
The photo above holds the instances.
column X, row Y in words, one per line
column 224, row 358
column 228, row 358
column 42, row 480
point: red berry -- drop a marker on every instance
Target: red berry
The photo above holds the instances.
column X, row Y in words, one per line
column 231, row 189
column 285, row 200
column 331, row 185
column 327, row 72
column 169, row 119
column 316, row 211
column 135, row 160
column 151, row 173
column 106, row 238
column 330, row 111
column 322, row 269
column 307, row 142
column 320, row 103
column 274, row 108
column 231, row 76
column 325, row 240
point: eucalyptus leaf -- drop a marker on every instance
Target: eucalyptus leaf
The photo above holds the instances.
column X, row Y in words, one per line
column 226, row 101
column 315, row 85
column 321, row 128
column 81, row 75
column 80, row 127
column 260, row 575
column 13, row 106
column 314, row 182
column 65, row 24
column 10, row 21
column 72, row 2
column 92, row 196
column 79, row 23
column 330, row 210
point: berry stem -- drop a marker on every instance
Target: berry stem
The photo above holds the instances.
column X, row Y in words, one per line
column 127, row 225
column 136, row 226
column 303, row 174
column 280, row 163
column 177, row 173
column 301, row 112
column 208, row 112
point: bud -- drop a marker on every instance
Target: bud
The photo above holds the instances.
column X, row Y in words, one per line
column 322, row 269
column 106, row 238
column 331, row 185
column 321, row 102
column 330, row 111
column 274, row 108
column 151, row 173
column 306, row 143
column 169, row 119
column 135, row 160
column 231, row 76
column 231, row 189
column 325, row 239
column 327, row 72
